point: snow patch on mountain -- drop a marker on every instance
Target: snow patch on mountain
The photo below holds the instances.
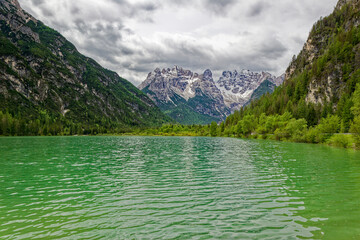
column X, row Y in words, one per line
column 232, row 91
column 237, row 87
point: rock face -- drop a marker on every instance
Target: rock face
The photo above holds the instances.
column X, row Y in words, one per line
column 180, row 93
column 186, row 96
column 41, row 71
column 329, row 57
column 238, row 87
column 342, row 3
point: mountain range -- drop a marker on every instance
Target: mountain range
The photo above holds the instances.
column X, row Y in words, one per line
column 47, row 87
column 192, row 98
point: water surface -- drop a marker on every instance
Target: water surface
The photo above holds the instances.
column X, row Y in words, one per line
column 176, row 188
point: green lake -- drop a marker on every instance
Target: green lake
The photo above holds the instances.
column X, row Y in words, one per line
column 176, row 188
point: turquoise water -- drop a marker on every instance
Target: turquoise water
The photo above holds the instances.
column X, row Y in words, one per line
column 176, row 188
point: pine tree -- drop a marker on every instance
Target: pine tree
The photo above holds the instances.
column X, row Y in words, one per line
column 213, row 129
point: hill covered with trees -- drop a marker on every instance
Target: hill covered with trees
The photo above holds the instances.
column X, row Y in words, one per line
column 321, row 94
column 47, row 87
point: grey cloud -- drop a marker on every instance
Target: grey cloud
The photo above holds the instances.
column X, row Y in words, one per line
column 148, row 7
column 141, row 68
column 272, row 48
column 136, row 10
column 37, row 2
column 105, row 54
column 101, row 41
column 48, row 12
column 120, row 1
column 121, row 34
column 220, row 3
column 188, row 49
column 127, row 51
column 81, row 25
column 219, row 6
column 257, row 8
column 75, row 10
column 298, row 40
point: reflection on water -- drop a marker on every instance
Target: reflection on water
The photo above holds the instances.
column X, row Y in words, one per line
column 184, row 188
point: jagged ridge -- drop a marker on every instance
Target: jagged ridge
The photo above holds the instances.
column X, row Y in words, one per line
column 200, row 96
column 188, row 97
column 238, row 88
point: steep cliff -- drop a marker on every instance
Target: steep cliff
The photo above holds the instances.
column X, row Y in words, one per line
column 330, row 58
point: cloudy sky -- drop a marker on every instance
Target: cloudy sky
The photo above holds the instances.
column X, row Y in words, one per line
column 133, row 37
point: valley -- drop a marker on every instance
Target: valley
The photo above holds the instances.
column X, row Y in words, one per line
column 185, row 154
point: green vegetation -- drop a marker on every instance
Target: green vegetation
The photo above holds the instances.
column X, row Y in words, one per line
column 288, row 115
column 264, row 88
column 213, row 129
column 285, row 115
column 185, row 112
column 344, row 141
column 48, row 88
column 355, row 127
column 48, row 125
column 275, row 127
column 174, row 130
column 330, row 70
column 186, row 115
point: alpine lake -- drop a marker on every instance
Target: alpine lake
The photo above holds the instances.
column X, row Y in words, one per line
column 176, row 188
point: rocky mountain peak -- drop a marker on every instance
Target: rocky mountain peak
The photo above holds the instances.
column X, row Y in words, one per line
column 177, row 88
column 208, row 74
column 341, row 3
column 15, row 3
column 17, row 19
column 157, row 71
column 178, row 69
column 11, row 3
column 215, row 99
column 237, row 87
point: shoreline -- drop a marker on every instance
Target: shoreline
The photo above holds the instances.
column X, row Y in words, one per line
column 254, row 137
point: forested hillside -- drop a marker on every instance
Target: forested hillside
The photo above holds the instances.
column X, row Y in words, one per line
column 321, row 94
column 47, row 87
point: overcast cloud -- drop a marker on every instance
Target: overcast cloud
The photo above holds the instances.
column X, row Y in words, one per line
column 133, row 37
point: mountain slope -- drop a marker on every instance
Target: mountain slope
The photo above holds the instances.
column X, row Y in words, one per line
column 188, row 97
column 192, row 98
column 42, row 73
column 238, row 87
column 320, row 95
column 324, row 75
column 264, row 88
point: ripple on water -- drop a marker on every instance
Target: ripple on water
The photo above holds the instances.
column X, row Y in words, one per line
column 184, row 188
